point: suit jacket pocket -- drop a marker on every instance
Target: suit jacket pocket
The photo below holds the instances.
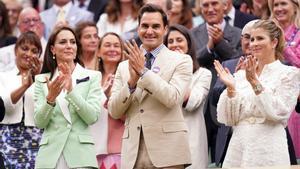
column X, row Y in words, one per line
column 85, row 139
column 174, row 127
column 126, row 133
column 44, row 141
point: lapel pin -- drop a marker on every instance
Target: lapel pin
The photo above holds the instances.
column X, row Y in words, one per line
column 155, row 69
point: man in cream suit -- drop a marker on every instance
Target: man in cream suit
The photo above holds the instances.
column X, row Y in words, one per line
column 150, row 97
column 70, row 14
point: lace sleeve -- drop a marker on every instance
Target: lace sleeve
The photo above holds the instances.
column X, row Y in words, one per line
column 277, row 103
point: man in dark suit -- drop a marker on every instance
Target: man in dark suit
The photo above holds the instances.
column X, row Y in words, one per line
column 215, row 39
column 237, row 18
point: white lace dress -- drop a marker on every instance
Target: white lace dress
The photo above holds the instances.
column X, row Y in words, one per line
column 258, row 121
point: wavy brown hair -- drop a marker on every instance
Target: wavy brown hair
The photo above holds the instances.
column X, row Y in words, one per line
column 50, row 64
column 113, row 9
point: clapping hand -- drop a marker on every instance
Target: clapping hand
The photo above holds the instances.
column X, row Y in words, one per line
column 34, row 65
column 54, row 88
column 108, row 85
column 250, row 68
column 224, row 75
column 135, row 56
column 136, row 62
column 66, row 74
column 215, row 32
column 240, row 65
column 27, row 79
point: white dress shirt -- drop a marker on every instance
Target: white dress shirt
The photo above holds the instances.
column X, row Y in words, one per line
column 105, row 26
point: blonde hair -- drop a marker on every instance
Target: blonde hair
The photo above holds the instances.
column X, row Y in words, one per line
column 296, row 16
column 275, row 32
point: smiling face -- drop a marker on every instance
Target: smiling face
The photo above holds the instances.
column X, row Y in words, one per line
column 213, row 11
column 64, row 47
column 177, row 42
column 151, row 30
column 89, row 39
column 261, row 44
column 110, row 49
column 24, row 53
column 283, row 11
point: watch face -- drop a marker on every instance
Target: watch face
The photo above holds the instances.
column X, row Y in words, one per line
column 258, row 88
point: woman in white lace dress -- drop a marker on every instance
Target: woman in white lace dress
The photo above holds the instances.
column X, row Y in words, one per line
column 258, row 101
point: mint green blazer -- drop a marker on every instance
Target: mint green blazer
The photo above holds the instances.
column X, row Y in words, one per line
column 68, row 133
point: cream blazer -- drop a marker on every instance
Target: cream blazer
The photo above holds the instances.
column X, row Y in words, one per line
column 154, row 108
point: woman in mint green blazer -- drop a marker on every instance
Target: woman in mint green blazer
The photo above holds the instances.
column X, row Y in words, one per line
column 67, row 100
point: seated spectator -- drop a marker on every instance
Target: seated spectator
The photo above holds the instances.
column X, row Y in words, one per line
column 119, row 17
column 19, row 139
column 63, row 11
column 6, row 37
column 179, row 39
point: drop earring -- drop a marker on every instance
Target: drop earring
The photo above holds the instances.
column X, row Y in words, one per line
column 53, row 57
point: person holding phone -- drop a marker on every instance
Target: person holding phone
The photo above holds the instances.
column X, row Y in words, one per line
column 19, row 138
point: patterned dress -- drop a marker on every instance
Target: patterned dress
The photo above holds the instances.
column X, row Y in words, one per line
column 19, row 145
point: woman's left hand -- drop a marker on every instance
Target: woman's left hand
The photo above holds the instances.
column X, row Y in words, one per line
column 27, row 79
column 250, row 68
column 108, row 84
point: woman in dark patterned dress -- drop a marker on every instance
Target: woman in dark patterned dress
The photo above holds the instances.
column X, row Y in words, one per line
column 19, row 139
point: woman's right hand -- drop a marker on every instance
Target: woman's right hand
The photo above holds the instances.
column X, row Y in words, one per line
column 54, row 87
column 225, row 76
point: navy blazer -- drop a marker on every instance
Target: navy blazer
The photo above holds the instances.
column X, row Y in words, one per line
column 241, row 19
column 224, row 132
column 97, row 7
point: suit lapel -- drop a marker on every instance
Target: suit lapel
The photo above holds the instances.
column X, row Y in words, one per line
column 228, row 33
column 158, row 67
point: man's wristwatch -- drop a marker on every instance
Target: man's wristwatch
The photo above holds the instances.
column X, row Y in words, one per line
column 258, row 88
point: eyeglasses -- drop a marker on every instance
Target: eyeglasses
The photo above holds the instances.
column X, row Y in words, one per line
column 28, row 21
column 246, row 36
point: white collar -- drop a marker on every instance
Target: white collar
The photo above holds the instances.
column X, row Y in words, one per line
column 231, row 14
column 223, row 24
